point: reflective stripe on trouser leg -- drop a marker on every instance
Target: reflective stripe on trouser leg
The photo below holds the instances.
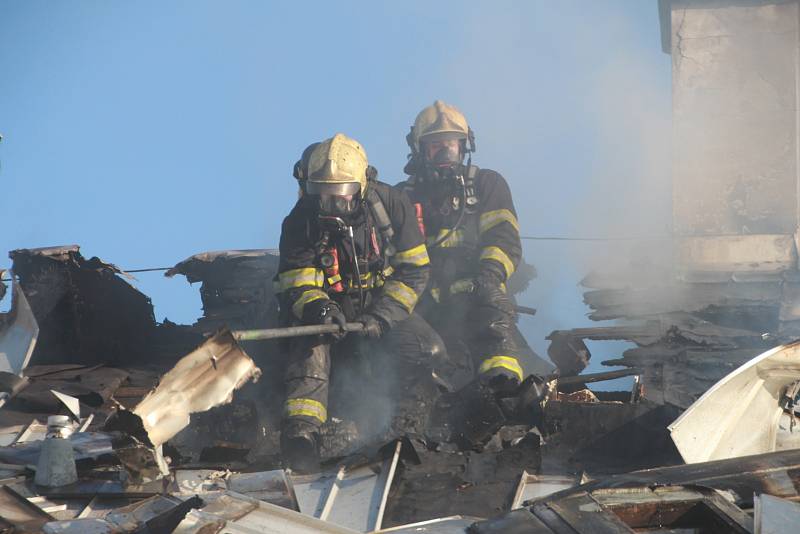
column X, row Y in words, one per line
column 508, row 363
column 307, row 374
column 401, row 293
column 307, row 408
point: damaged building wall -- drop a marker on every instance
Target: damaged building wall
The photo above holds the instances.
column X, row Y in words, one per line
column 732, row 288
column 86, row 312
column 734, row 112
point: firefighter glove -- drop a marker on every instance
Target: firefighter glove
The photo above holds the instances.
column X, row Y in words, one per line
column 374, row 327
column 331, row 313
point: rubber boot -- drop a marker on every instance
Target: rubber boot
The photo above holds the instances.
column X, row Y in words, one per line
column 300, row 446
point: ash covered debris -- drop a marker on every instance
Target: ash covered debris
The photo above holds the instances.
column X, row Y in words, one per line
column 727, row 292
column 236, row 288
column 86, row 312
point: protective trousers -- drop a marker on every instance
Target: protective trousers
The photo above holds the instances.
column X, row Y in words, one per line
column 491, row 351
column 404, row 356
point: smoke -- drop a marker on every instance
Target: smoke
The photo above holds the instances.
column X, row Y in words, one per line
column 571, row 103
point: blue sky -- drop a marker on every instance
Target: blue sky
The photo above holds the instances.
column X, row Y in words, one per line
column 149, row 131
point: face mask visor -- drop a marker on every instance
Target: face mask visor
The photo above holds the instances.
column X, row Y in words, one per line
column 444, row 151
column 336, row 199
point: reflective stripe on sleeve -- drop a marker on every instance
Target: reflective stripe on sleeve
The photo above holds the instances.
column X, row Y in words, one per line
column 417, row 256
column 401, row 293
column 305, row 297
column 506, row 362
column 308, row 276
column 307, row 407
column 497, row 254
column 490, row 219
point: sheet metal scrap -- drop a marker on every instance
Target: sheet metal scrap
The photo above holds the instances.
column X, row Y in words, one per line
column 740, row 414
column 271, row 486
column 85, row 310
column 239, row 514
column 236, row 287
column 775, row 516
column 201, row 380
column 18, row 514
column 703, row 495
column 155, row 515
column 18, row 333
column 91, row 385
column 354, row 497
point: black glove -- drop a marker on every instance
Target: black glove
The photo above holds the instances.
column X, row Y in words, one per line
column 374, row 327
column 325, row 312
column 492, row 307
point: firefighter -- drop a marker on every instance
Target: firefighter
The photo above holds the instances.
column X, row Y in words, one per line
column 467, row 215
column 350, row 250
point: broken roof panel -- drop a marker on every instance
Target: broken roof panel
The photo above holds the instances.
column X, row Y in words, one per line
column 242, row 515
column 775, row 516
column 739, row 415
column 18, row 333
column 202, row 379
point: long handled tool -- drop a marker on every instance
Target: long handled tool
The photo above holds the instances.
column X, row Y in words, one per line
column 314, row 330
column 294, row 331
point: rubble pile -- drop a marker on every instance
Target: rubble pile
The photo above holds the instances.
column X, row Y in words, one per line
column 719, row 303
column 181, row 445
column 236, row 288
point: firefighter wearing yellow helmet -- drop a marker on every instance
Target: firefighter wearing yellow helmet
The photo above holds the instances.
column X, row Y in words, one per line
column 350, row 250
column 468, row 217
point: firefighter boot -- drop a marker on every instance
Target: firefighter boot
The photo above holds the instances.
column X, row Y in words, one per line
column 300, row 446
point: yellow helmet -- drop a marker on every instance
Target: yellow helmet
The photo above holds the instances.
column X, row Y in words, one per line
column 337, row 166
column 439, row 121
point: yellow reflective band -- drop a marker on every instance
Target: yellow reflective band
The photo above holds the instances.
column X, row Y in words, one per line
column 490, row 219
column 308, row 276
column 401, row 293
column 334, row 279
column 497, row 254
column 305, row 297
column 387, row 272
column 417, row 256
column 455, row 239
column 307, row 407
column 506, row 362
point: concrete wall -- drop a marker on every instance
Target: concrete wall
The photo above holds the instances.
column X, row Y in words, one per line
column 735, row 115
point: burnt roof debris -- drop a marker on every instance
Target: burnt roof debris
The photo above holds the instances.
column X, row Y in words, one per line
column 236, row 288
column 86, row 312
column 722, row 301
column 160, row 432
column 712, row 495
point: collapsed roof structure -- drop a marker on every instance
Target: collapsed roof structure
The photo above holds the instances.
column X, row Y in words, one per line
column 173, row 428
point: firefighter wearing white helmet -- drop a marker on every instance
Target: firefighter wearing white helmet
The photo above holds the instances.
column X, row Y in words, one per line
column 468, row 218
column 350, row 250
